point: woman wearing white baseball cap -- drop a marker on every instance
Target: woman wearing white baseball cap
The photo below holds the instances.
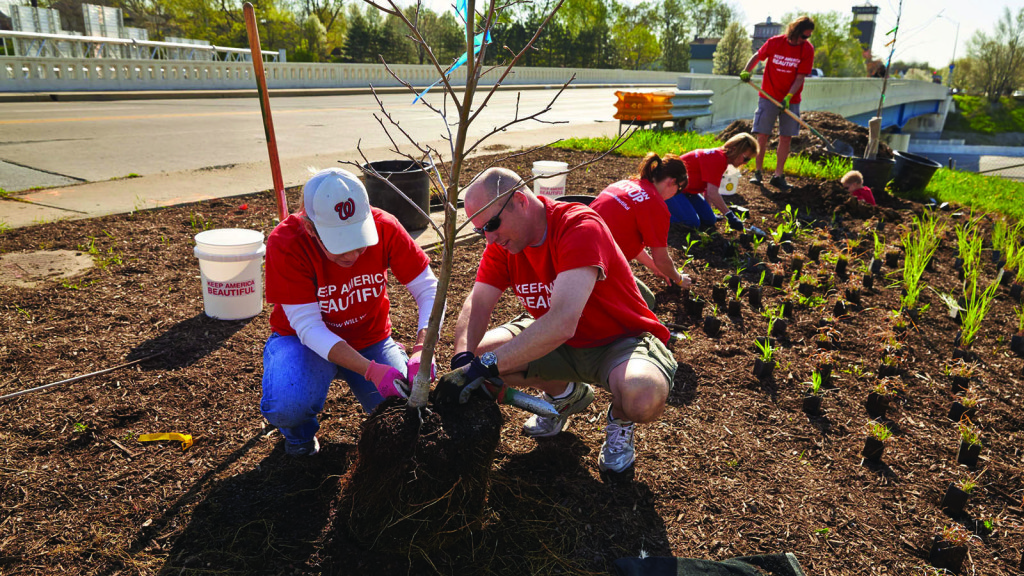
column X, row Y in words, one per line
column 327, row 269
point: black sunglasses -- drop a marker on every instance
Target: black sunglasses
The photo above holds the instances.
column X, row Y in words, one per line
column 495, row 221
column 807, row 37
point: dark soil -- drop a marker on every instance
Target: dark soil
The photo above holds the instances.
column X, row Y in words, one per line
column 830, row 125
column 734, row 466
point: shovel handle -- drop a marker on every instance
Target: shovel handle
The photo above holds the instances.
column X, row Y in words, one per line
column 795, row 117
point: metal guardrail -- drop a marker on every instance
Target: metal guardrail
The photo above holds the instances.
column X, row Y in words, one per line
column 39, row 45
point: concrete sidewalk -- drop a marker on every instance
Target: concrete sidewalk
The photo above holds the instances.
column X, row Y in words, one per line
column 94, row 199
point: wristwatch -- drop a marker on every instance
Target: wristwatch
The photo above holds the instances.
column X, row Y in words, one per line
column 490, row 361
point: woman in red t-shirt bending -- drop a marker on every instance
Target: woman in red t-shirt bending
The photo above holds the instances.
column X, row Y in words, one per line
column 638, row 217
column 704, row 169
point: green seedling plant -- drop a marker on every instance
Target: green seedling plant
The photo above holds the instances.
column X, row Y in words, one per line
column 80, row 427
column 978, row 305
column 970, row 399
column 23, row 312
column 967, row 484
column 968, row 242
column 969, row 434
column 1019, row 311
column 879, row 431
column 879, row 246
column 760, row 281
column 815, row 383
column 956, row 535
column 920, row 242
column 765, row 349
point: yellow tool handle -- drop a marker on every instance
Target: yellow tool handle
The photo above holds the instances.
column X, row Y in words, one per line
column 185, row 439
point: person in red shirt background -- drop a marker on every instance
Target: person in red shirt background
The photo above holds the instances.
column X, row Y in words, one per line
column 790, row 58
column 704, row 170
column 327, row 272
column 636, row 213
column 853, row 181
column 587, row 321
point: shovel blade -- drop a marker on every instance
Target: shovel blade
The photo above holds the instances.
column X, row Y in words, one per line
column 842, row 148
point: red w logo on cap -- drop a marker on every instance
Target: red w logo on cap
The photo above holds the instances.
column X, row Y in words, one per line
column 345, row 209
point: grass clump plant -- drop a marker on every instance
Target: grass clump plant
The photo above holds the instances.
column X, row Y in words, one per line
column 765, row 349
column 969, row 433
column 879, row 431
column 978, row 305
column 920, row 241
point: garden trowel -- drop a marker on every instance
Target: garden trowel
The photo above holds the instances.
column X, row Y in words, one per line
column 502, row 394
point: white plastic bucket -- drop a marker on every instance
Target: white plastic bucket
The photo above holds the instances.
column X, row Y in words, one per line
column 231, row 268
column 546, row 184
column 730, row 183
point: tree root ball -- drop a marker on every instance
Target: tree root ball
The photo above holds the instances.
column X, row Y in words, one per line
column 420, row 478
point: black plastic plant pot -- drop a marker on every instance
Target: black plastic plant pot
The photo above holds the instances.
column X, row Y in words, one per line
column 763, row 370
column 734, row 308
column 886, row 370
column 960, row 383
column 954, row 500
column 779, row 328
column 807, row 290
column 997, row 256
column 787, row 309
column 718, row 294
column 947, row 555
column 867, row 281
column 958, row 412
column 892, row 259
column 787, row 246
column 877, row 404
column 746, row 239
column 772, row 252
column 1007, row 277
column 796, row 264
column 839, row 309
column 778, row 280
column 814, row 252
column 812, row 403
column 853, row 296
column 695, row 307
column 712, row 326
column 825, row 370
column 873, row 449
column 958, row 264
column 841, row 267
column 968, row 453
column 734, row 282
column 880, row 225
column 1017, row 344
column 729, row 250
column 787, row 236
column 754, row 297
column 965, row 355
column 1016, row 290
column 875, row 267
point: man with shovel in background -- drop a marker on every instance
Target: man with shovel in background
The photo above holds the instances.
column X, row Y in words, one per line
column 790, row 58
column 587, row 323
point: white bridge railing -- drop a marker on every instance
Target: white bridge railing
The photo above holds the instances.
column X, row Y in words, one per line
column 41, row 45
column 23, row 74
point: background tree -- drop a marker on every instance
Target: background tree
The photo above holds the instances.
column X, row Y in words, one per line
column 964, row 75
column 635, row 42
column 999, row 57
column 837, row 48
column 733, row 51
column 674, row 32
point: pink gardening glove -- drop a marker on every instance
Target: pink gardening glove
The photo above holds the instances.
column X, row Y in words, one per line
column 389, row 382
column 413, row 366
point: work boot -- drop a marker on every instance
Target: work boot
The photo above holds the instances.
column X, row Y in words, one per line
column 577, row 401
column 780, row 183
column 756, row 178
column 310, row 448
column 617, row 454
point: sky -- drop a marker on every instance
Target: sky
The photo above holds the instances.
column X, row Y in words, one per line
column 928, row 28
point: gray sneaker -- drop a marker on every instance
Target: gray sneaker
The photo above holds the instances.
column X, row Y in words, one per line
column 780, row 183
column 305, row 449
column 617, row 453
column 756, row 178
column 544, row 426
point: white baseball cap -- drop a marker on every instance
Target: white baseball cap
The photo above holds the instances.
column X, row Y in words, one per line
column 336, row 201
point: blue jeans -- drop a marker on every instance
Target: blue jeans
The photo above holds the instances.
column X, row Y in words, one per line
column 691, row 210
column 296, row 381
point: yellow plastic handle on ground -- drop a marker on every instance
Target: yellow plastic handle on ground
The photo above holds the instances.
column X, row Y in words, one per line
column 185, row 439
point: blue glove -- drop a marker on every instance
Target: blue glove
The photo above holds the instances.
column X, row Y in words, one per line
column 785, row 101
column 734, row 220
column 745, row 76
column 454, row 388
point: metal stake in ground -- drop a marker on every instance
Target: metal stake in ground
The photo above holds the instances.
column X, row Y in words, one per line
column 268, row 120
column 838, row 147
column 77, row 378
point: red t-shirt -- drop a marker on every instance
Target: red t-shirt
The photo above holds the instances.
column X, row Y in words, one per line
column 785, row 61
column 353, row 301
column 704, row 167
column 576, row 237
column 864, row 194
column 636, row 215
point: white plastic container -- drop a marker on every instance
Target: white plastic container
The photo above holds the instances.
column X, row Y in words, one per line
column 549, row 183
column 730, row 182
column 231, row 268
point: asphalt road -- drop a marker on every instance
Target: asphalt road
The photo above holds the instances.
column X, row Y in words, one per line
column 95, row 141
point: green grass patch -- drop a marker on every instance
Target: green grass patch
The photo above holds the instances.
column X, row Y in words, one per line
column 981, row 192
column 978, row 115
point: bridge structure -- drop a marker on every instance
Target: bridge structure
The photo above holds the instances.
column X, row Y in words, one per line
column 83, row 64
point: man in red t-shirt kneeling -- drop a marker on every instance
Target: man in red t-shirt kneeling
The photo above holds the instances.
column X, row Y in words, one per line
column 587, row 321
column 790, row 58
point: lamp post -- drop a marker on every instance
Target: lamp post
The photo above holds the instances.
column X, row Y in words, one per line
column 956, row 38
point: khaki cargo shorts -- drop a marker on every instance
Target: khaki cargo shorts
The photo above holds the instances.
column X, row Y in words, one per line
column 595, row 365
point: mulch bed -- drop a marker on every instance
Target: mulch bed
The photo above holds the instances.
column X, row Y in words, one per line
column 734, row 467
